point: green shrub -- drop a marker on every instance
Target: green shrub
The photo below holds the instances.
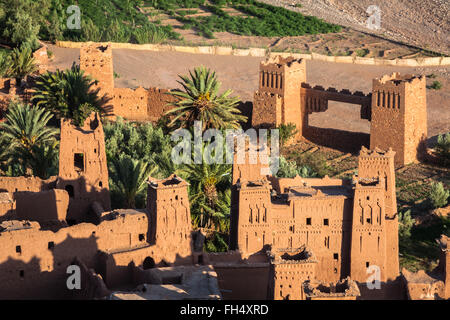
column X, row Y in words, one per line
column 5, row 63
column 405, row 224
column 90, row 31
column 117, row 32
column 438, row 195
column 22, row 63
column 362, row 52
column 216, row 244
column 436, row 85
column 22, row 31
column 150, row 34
column 442, row 148
column 289, row 169
column 287, row 132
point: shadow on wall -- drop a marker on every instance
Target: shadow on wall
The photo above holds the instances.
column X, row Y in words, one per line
column 246, row 109
column 344, row 141
column 81, row 199
column 241, row 278
column 44, row 276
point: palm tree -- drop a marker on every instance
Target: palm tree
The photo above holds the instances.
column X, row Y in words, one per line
column 25, row 132
column 68, row 94
column 210, row 193
column 129, row 177
column 22, row 63
column 200, row 101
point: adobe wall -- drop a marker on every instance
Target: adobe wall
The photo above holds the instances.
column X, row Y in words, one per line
column 239, row 281
column 267, row 109
column 158, row 103
column 42, row 206
column 41, row 58
column 33, row 262
column 288, row 269
column 7, row 206
column 130, row 103
column 19, row 184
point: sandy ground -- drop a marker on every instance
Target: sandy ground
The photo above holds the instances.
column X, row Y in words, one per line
column 161, row 69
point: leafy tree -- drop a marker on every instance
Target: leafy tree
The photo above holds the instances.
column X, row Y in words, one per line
column 405, row 224
column 69, row 94
column 141, row 141
column 28, row 137
column 22, row 63
column 438, row 195
column 442, row 148
column 201, row 101
column 22, row 31
column 129, row 177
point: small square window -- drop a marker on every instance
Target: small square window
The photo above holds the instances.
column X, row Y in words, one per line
column 18, row 249
column 325, row 222
column 51, row 245
column 335, row 256
column 141, row 237
column 308, row 221
column 367, row 264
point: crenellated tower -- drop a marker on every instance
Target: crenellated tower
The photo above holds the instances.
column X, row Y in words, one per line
column 368, row 246
column 278, row 99
column 96, row 60
column 83, row 171
column 399, row 116
column 169, row 215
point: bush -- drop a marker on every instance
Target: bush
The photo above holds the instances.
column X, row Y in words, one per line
column 438, row 195
column 442, row 148
column 90, row 31
column 150, row 34
column 287, row 132
column 405, row 224
column 22, row 31
column 22, row 63
column 436, row 85
column 116, row 32
column 289, row 169
column 216, row 244
column 5, row 63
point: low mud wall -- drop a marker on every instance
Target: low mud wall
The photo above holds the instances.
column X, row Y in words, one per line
column 262, row 52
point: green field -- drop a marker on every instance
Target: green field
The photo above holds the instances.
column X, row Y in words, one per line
column 252, row 19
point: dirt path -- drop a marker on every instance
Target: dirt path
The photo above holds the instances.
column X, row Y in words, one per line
column 161, row 69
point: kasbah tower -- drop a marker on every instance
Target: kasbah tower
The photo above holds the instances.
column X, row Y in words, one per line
column 399, row 116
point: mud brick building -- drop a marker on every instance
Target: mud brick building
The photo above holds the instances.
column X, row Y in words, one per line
column 396, row 108
column 348, row 225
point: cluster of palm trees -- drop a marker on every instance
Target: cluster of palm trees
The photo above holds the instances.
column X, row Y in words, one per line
column 29, row 138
